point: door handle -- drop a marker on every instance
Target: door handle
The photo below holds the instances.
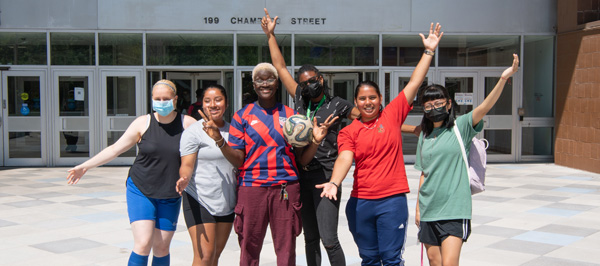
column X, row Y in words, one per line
column 486, row 122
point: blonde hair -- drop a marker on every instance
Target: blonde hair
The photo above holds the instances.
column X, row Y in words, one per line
column 266, row 67
column 167, row 83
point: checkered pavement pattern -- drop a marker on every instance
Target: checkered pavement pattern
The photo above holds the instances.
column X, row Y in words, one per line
column 531, row 214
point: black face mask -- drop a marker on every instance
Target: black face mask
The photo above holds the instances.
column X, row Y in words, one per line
column 437, row 114
column 312, row 90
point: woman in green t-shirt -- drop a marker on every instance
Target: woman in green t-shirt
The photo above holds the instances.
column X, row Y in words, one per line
column 443, row 212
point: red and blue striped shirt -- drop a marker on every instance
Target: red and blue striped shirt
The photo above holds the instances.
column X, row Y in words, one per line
column 269, row 160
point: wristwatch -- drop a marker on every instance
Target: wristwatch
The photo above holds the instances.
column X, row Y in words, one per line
column 427, row 52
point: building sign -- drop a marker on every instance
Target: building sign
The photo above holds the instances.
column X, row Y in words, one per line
column 463, row 98
column 194, row 15
column 256, row 20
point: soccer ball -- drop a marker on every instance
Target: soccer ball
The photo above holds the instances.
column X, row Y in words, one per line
column 297, row 130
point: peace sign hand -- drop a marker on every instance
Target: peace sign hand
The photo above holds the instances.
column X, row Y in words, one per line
column 210, row 127
column 433, row 39
column 320, row 131
column 267, row 24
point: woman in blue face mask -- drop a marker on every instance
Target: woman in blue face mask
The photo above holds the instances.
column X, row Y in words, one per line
column 153, row 203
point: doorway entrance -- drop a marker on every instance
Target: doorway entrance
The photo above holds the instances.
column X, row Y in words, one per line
column 190, row 83
column 468, row 88
column 73, row 103
column 23, row 123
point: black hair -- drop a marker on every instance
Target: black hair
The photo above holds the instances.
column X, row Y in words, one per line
column 200, row 99
column 308, row 67
column 366, row 83
column 434, row 92
column 215, row 86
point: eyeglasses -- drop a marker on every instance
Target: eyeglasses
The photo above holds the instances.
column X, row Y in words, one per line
column 259, row 82
column 428, row 107
column 305, row 83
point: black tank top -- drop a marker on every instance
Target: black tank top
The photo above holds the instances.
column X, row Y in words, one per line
column 155, row 170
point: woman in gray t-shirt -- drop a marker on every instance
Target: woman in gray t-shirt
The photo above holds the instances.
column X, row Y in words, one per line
column 209, row 180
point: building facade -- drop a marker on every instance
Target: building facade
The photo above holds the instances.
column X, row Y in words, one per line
column 74, row 74
column 578, row 85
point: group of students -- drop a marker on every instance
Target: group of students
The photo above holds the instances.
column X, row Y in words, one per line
column 244, row 175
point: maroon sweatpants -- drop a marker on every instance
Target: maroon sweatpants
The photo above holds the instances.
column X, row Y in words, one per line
column 259, row 206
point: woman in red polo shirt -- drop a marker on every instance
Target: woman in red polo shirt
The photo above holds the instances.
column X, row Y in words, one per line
column 377, row 211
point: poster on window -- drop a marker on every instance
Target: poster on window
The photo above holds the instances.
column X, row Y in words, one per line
column 79, row 94
column 463, row 98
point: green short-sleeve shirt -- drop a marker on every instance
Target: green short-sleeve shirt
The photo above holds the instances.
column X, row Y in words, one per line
column 445, row 193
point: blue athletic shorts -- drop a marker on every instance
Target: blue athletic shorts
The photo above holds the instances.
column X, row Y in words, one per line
column 164, row 212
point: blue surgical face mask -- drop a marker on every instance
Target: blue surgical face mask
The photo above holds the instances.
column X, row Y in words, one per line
column 163, row 108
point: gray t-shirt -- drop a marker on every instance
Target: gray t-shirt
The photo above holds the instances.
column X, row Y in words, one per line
column 213, row 184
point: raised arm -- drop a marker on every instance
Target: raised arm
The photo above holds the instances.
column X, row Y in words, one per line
column 416, row 79
column 131, row 136
column 268, row 27
column 340, row 170
column 480, row 111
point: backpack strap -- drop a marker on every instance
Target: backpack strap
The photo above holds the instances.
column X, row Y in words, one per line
column 462, row 146
column 421, row 148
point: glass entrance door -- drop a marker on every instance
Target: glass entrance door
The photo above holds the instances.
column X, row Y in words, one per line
column 500, row 120
column 244, row 91
column 21, row 124
column 469, row 89
column 409, row 141
column 122, row 102
column 461, row 87
column 187, row 85
column 342, row 85
column 74, row 104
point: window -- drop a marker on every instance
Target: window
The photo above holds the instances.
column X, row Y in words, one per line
column 538, row 73
column 23, row 48
column 477, row 50
column 72, row 48
column 401, row 50
column 189, row 49
column 254, row 49
column 337, row 50
column 120, row 49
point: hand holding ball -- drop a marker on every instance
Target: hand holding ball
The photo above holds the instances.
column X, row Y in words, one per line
column 298, row 130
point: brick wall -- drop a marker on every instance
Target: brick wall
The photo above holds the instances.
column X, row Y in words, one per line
column 577, row 142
